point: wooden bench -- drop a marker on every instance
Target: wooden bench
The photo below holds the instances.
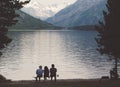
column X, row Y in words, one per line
column 35, row 78
column 105, row 77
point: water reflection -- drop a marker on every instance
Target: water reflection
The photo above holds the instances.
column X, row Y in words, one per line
column 73, row 53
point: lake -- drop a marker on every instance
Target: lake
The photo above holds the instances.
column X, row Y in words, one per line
column 72, row 51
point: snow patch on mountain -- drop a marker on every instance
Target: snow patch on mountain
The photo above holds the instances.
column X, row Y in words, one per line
column 38, row 10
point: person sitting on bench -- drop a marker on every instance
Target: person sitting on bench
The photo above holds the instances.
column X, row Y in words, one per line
column 39, row 73
column 53, row 72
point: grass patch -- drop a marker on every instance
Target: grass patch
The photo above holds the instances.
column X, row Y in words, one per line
column 2, row 78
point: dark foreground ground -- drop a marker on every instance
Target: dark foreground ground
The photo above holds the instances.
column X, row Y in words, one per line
column 64, row 83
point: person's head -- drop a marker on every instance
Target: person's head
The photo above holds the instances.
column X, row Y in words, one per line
column 40, row 67
column 53, row 65
column 45, row 67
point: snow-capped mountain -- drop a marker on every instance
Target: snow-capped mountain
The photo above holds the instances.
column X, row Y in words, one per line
column 38, row 10
column 78, row 12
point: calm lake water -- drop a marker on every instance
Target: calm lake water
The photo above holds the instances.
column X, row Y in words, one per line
column 73, row 52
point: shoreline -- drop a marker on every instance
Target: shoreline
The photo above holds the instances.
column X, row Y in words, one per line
column 63, row 83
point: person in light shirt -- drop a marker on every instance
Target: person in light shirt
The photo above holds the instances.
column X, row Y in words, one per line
column 39, row 73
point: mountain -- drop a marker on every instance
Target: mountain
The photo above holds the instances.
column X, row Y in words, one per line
column 82, row 12
column 28, row 22
column 38, row 10
column 90, row 16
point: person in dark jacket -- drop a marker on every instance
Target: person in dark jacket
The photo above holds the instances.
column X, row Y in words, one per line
column 46, row 73
column 53, row 72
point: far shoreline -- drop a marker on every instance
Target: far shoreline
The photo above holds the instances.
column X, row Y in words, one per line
column 27, row 30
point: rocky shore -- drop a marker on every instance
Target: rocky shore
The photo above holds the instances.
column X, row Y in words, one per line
column 64, row 83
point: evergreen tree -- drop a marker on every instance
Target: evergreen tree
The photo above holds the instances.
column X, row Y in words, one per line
column 109, row 32
column 8, row 18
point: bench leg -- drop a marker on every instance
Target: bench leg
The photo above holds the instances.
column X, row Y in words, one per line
column 36, row 79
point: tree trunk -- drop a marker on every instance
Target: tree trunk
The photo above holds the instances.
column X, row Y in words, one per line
column 116, row 68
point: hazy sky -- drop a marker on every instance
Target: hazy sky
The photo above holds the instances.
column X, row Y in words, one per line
column 54, row 1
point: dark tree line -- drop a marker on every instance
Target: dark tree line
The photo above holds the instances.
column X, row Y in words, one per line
column 109, row 32
column 8, row 18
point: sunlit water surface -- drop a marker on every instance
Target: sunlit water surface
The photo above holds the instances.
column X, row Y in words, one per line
column 73, row 53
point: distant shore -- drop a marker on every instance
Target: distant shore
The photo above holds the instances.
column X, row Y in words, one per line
column 83, row 27
column 63, row 83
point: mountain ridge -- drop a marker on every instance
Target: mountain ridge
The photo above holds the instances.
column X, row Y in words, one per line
column 25, row 21
column 69, row 17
